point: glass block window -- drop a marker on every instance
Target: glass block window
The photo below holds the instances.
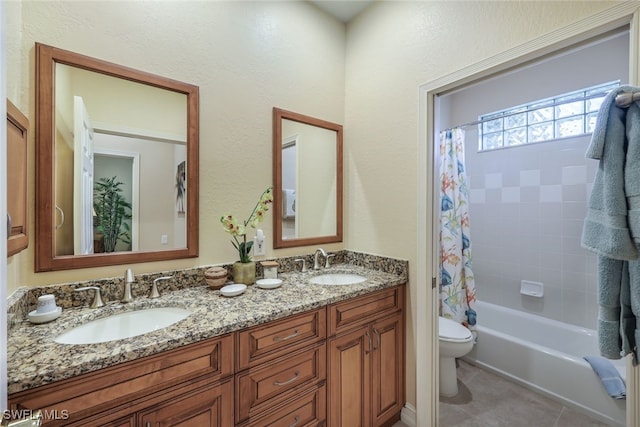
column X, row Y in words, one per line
column 562, row 116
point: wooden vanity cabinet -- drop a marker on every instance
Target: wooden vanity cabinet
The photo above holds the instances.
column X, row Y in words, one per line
column 340, row 365
column 17, row 128
column 282, row 372
column 191, row 381
column 366, row 360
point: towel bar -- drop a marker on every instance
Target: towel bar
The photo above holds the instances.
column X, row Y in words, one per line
column 625, row 99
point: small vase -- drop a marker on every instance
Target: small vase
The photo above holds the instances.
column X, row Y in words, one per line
column 244, row 272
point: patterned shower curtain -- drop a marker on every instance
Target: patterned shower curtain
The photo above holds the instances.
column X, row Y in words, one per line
column 457, row 286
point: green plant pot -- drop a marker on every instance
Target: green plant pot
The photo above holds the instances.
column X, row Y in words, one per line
column 244, row 272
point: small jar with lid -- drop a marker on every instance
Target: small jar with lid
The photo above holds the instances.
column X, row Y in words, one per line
column 270, row 269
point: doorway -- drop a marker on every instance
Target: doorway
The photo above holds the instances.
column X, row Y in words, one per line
column 427, row 342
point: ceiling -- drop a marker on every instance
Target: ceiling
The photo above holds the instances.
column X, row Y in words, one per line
column 342, row 10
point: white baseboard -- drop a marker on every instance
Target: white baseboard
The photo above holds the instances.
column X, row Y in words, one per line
column 408, row 415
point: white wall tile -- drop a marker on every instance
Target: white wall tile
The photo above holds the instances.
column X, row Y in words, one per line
column 493, row 180
column 550, row 193
column 530, row 178
column 574, row 193
column 511, row 195
column 526, row 222
column 477, row 195
column 574, row 174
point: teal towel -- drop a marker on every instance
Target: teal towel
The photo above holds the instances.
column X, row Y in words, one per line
column 606, row 230
column 612, row 225
column 609, row 376
column 610, row 278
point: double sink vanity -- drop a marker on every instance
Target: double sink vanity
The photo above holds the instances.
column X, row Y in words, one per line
column 325, row 348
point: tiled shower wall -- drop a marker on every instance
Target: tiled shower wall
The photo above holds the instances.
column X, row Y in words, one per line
column 527, row 206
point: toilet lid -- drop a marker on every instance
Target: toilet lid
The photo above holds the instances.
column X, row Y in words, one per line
column 450, row 330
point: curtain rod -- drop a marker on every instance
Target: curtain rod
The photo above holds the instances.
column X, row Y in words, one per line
column 623, row 100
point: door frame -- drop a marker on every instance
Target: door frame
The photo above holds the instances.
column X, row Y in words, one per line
column 3, row 208
column 135, row 188
column 619, row 15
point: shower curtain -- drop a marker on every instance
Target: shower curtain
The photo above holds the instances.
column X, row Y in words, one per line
column 457, row 286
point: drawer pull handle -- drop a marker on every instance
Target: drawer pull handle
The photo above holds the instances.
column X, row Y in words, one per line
column 148, row 424
column 295, row 377
column 288, row 337
column 295, row 421
column 370, row 343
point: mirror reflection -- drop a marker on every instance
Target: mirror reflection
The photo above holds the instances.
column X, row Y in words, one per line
column 120, row 164
column 308, row 180
column 117, row 164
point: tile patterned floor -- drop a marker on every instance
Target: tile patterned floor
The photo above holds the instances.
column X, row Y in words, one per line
column 488, row 400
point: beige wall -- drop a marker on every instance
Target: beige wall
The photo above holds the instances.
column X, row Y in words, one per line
column 246, row 57
column 392, row 48
column 249, row 57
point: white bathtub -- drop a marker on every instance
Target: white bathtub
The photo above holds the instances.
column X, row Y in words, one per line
column 545, row 355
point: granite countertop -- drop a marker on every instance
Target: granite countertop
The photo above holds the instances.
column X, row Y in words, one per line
column 34, row 359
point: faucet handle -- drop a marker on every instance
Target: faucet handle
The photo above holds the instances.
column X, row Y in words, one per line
column 327, row 258
column 303, row 269
column 154, row 288
column 97, row 300
column 128, row 276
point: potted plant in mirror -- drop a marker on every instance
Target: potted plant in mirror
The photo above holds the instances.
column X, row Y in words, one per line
column 111, row 213
column 244, row 270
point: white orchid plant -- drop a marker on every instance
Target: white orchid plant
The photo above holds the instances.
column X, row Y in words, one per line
column 238, row 229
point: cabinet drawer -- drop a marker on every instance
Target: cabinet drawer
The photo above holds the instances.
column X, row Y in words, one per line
column 274, row 339
column 359, row 311
column 207, row 407
column 260, row 388
column 107, row 388
column 307, row 410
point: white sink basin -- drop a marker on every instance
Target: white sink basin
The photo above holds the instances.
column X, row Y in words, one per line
column 123, row 325
column 337, row 279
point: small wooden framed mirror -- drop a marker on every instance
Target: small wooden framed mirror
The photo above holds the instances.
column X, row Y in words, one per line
column 307, row 179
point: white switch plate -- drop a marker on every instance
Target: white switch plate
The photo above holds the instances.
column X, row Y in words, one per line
column 164, row 239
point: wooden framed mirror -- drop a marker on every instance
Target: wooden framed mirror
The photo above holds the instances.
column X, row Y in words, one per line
column 307, row 179
column 116, row 164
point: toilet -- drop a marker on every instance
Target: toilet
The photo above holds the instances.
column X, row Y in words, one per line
column 455, row 341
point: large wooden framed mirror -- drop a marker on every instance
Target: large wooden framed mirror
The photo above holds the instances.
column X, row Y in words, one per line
column 307, row 179
column 116, row 164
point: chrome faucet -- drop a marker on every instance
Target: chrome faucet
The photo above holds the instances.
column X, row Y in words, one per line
column 154, row 288
column 316, row 266
column 326, row 263
column 303, row 265
column 97, row 299
column 128, row 280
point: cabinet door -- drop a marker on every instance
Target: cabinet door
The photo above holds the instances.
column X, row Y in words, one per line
column 349, row 374
column 17, row 127
column 206, row 407
column 387, row 368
